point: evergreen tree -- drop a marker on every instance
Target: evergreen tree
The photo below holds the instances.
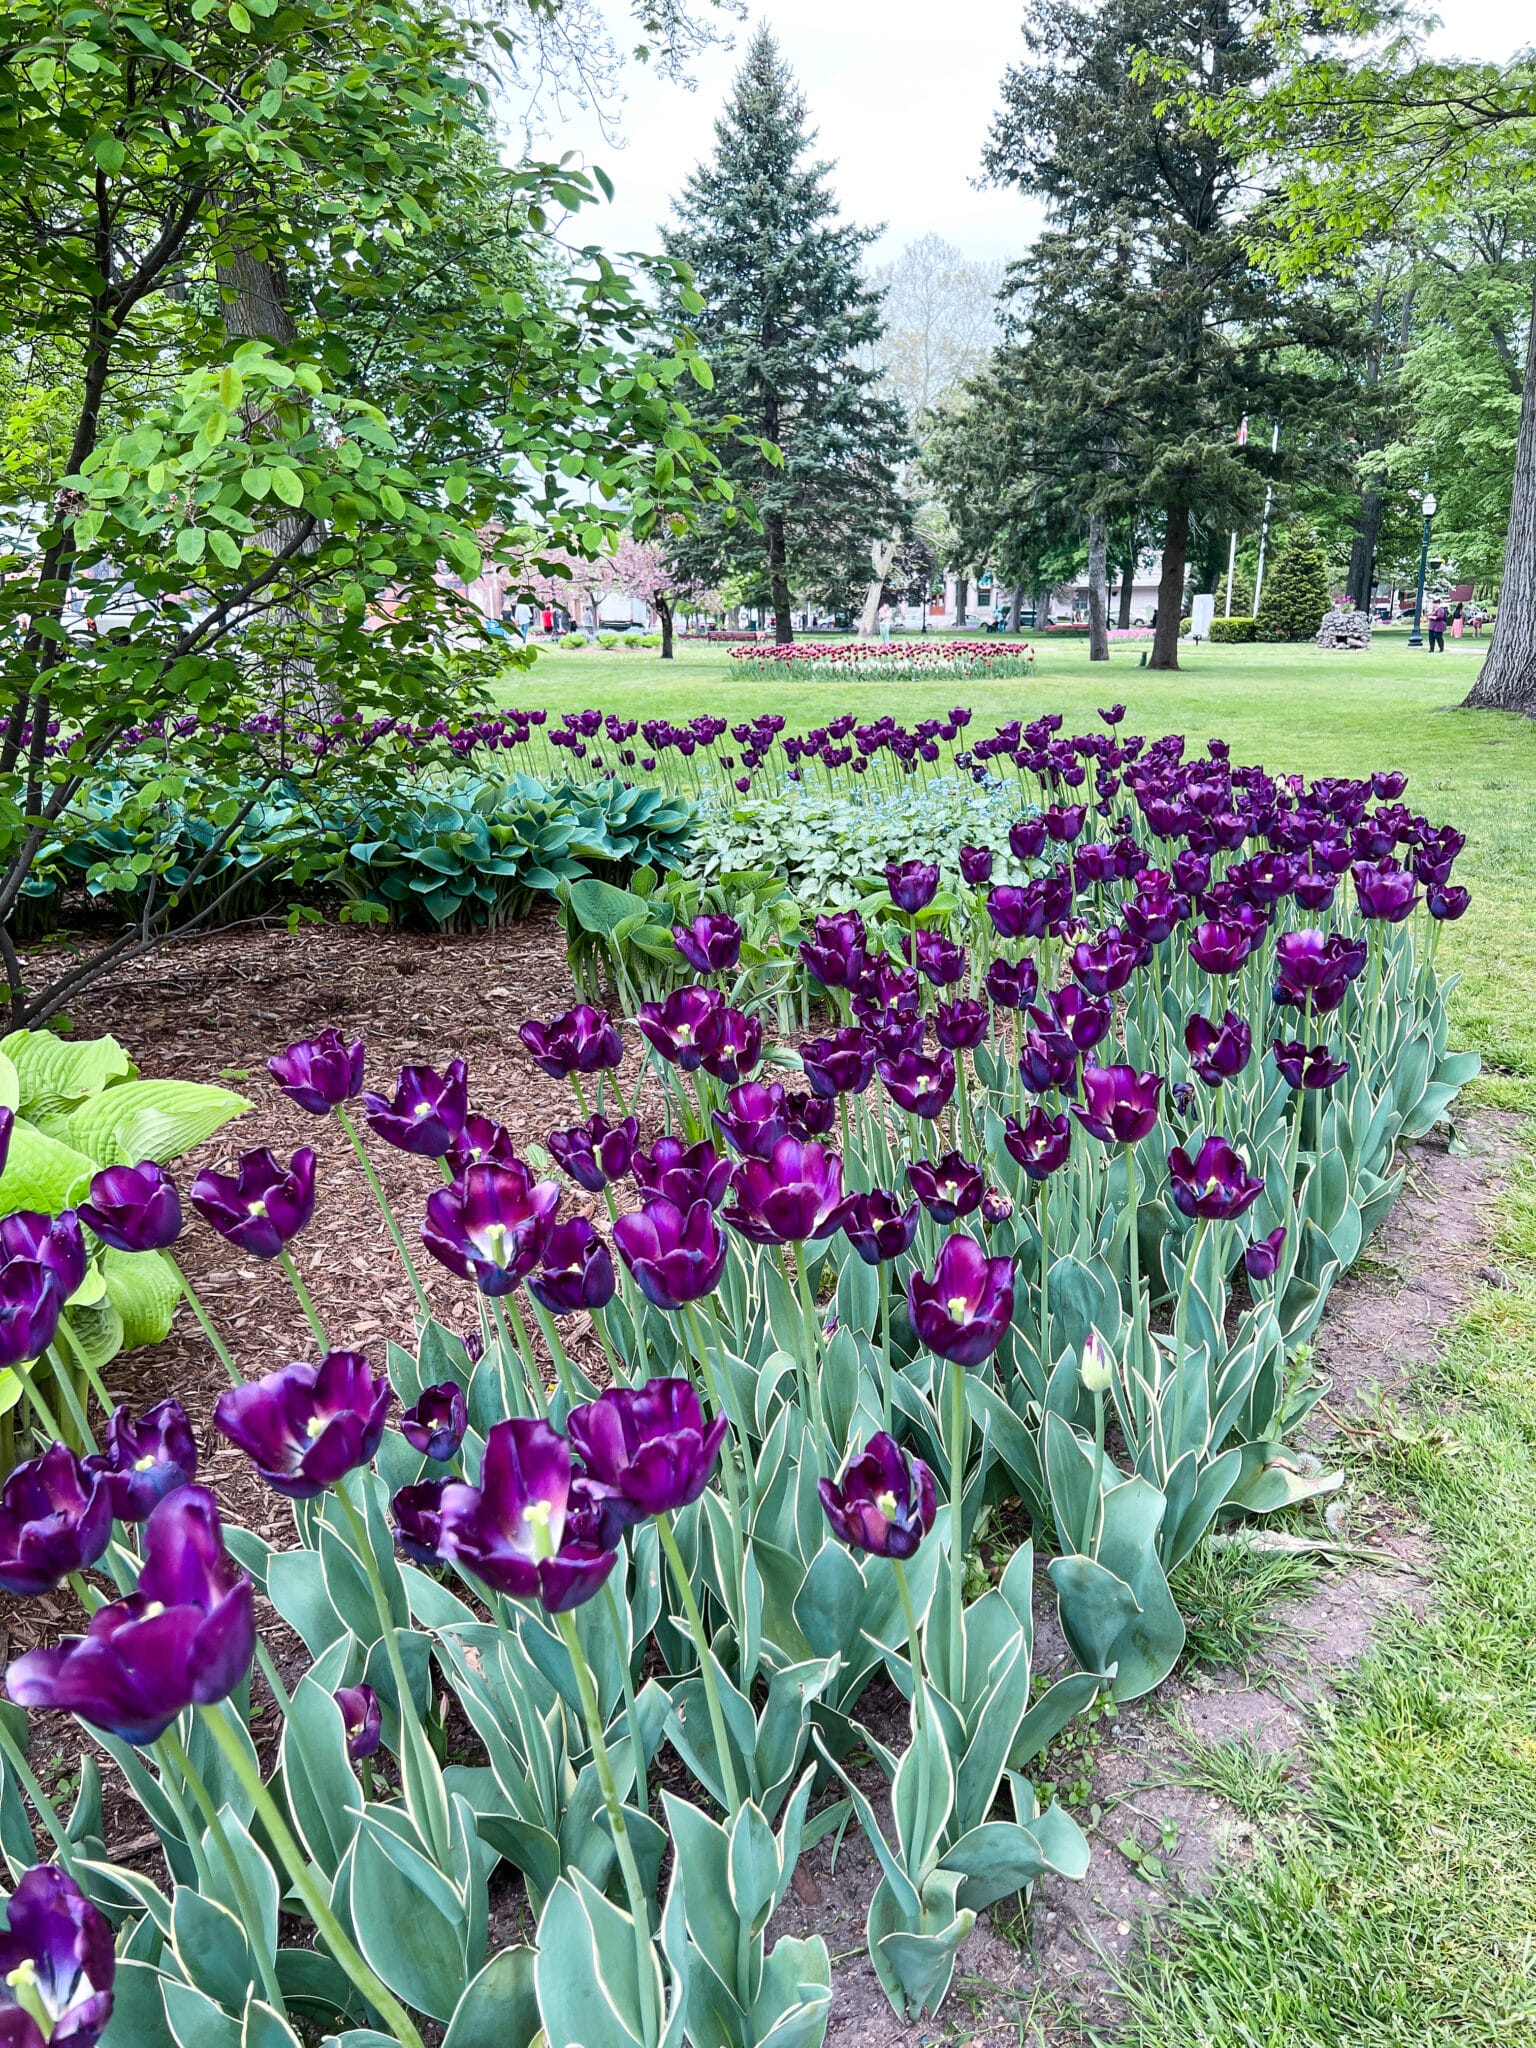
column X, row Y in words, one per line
column 789, row 329
column 1297, row 588
column 1153, row 329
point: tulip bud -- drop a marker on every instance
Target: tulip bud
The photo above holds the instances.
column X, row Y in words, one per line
column 1097, row 1369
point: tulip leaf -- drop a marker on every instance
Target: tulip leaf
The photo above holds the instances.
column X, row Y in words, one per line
column 409, row 1924
column 212, row 1947
column 156, row 1120
column 500, row 2007
column 138, row 2008
column 144, row 1288
column 196, row 2022
column 264, row 2028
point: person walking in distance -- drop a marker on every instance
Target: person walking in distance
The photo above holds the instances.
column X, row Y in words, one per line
column 1439, row 619
column 1458, row 619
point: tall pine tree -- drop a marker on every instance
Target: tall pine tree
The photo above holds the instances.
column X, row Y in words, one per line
column 1159, row 331
column 789, row 329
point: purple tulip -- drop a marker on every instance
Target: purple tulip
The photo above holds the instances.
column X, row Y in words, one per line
column 1119, row 1106
column 885, row 1501
column 482, row 1142
column 185, row 1638
column 673, row 1171
column 596, row 1152
column 362, row 1719
column 490, row 1227
column 1315, row 892
column 1026, row 839
column 306, row 1426
column 794, row 1195
column 684, row 1027
column 263, row 1204
column 435, row 1426
column 1384, row 890
column 963, row 1312
column 1215, row 1185
column 735, row 1046
column 1075, row 1014
column 1221, row 948
column 913, row 884
column 843, row 1063
column 936, row 956
column 1113, row 715
column 835, row 951
column 1063, row 822
column 418, row 1519
column 948, row 1187
column 1041, row 1144
column 580, row 1040
column 1308, row 1067
column 510, row 1531
column 1262, row 1258
column 57, row 1958
column 918, row 1084
column 996, row 1207
column 1447, row 902
column 1047, row 1059
column 807, row 1115
column 1015, row 913
column 754, row 1118
column 53, row 1242
column 1013, row 984
column 30, row 1305
column 1217, row 1052
column 319, row 1074
column 146, row 1460
column 676, row 1255
column 961, row 1026
column 427, row 1112
column 1105, row 966
column 55, row 1518
column 648, row 1448
column 710, row 945
column 878, row 1228
column 134, row 1208
column 576, row 1272
column 976, row 864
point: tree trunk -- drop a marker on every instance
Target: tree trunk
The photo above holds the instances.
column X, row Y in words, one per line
column 1170, row 589
column 881, row 555
column 778, row 578
column 1508, row 678
column 962, row 592
column 1098, row 588
column 1127, row 591
column 1362, row 553
column 1015, row 606
column 664, row 613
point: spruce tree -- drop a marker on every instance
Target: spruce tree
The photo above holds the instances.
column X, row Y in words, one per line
column 789, row 329
column 1297, row 588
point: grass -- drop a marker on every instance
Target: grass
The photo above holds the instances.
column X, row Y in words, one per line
column 1229, row 1599
column 1394, row 1902
column 1294, row 708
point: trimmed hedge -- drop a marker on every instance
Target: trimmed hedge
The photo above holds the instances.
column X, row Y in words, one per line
column 1226, row 630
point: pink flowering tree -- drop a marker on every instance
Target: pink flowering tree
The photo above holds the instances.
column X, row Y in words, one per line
column 641, row 569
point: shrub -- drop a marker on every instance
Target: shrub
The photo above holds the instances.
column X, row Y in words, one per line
column 609, row 639
column 1297, row 589
column 1225, row 630
column 573, row 640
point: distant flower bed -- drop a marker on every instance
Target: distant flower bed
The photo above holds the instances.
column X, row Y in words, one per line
column 902, row 661
column 1077, row 629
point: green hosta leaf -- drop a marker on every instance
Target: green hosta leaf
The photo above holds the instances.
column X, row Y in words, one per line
column 57, row 1073
column 156, row 1120
column 600, row 907
column 144, row 1288
column 96, row 1332
column 40, row 1173
column 10, row 1083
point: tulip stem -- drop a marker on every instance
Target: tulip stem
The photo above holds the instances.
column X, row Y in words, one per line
column 306, row 1300
column 510, row 1317
column 1091, row 1517
column 627, row 1680
column 16, row 1757
column 423, row 1785
column 35, row 1396
column 371, row 1175
column 1046, row 1361
column 221, row 1349
column 188, row 1826
column 706, row 1661
column 914, row 1638
column 202, row 1799
column 1133, row 1250
column 1180, row 1338
column 93, row 1378
column 883, row 1281
column 712, row 1387
column 395, row 2017
column 639, row 1911
column 958, row 1432
column 557, row 1352
column 66, row 1386
column 824, row 1459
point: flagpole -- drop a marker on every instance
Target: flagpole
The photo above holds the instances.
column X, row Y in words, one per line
column 1269, row 498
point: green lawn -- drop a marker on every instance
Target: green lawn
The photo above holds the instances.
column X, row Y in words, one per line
column 1294, row 708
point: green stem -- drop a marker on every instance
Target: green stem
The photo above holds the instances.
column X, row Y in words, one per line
column 883, row 1277
column 16, row 1757
column 1046, row 1360
column 306, row 1301
column 914, row 1638
column 505, row 1306
column 93, row 1378
column 44, row 1413
column 1090, row 1519
column 67, row 1388
column 958, row 1433
column 738, row 1422
column 392, row 2012
column 202, row 1798
column 204, row 1323
column 189, row 1833
column 377, row 1186
column 813, row 1359
column 557, row 1352
column 639, row 1910
column 424, row 1793
column 508, row 1348
column 627, row 1680
column 1133, row 1250
column 1180, row 1335
column 706, row 1660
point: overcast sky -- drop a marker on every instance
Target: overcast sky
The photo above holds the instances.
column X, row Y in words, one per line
column 902, row 94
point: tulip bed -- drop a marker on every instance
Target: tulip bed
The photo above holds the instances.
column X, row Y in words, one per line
column 1042, row 1206
column 900, row 661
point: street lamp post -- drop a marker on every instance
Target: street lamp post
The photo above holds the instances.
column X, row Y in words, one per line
column 1416, row 637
